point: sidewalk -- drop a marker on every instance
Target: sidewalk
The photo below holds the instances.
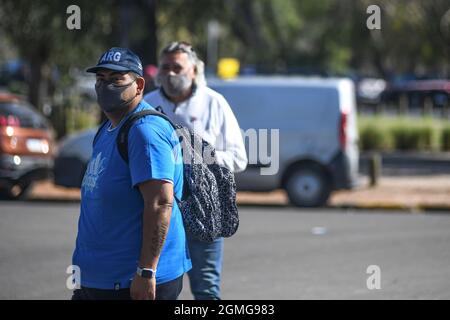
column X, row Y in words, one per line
column 416, row 193
column 407, row 193
column 431, row 192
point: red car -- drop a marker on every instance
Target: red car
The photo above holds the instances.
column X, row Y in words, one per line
column 26, row 147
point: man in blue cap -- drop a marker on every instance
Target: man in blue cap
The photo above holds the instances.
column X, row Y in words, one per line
column 125, row 247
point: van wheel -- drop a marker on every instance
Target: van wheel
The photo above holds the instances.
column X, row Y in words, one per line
column 308, row 186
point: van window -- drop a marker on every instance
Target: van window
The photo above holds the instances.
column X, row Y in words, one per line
column 20, row 115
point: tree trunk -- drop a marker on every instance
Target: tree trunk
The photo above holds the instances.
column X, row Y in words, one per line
column 147, row 49
column 38, row 78
column 34, row 83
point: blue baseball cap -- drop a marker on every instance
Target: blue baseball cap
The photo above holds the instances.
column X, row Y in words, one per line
column 119, row 59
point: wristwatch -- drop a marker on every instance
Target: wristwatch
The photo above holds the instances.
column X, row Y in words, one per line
column 146, row 272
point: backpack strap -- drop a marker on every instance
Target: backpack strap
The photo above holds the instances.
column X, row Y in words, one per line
column 122, row 137
column 98, row 132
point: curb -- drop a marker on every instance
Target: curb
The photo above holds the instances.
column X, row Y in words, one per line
column 418, row 208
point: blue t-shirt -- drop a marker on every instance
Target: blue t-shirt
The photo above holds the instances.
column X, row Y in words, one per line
column 109, row 237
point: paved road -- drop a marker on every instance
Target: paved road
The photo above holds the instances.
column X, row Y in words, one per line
column 278, row 253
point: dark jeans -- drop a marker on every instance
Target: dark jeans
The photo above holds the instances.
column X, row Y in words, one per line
column 165, row 291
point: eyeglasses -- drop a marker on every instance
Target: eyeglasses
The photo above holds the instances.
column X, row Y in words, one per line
column 179, row 46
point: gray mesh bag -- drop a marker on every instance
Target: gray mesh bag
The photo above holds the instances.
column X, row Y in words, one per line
column 208, row 204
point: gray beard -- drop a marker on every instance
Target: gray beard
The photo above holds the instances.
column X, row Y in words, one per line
column 176, row 88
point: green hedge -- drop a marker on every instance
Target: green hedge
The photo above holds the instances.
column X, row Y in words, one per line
column 403, row 133
column 412, row 137
column 445, row 138
column 374, row 138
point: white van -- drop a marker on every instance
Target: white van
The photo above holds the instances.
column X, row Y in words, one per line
column 318, row 138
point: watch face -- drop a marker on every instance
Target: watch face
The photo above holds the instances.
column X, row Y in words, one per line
column 147, row 274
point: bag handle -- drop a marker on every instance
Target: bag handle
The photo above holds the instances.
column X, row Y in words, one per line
column 122, row 137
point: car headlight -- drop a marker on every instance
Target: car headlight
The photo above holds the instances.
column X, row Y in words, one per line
column 38, row 146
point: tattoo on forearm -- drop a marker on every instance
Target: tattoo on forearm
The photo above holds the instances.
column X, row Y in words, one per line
column 155, row 227
column 158, row 238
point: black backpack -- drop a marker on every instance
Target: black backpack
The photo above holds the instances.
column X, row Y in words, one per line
column 208, row 205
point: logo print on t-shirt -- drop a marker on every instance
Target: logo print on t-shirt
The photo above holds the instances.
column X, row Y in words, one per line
column 95, row 168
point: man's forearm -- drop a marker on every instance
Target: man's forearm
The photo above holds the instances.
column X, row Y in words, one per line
column 156, row 221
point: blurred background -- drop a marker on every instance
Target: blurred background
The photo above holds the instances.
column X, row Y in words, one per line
column 400, row 76
column 400, row 70
column 44, row 61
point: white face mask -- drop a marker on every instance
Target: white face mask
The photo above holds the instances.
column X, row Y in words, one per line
column 176, row 85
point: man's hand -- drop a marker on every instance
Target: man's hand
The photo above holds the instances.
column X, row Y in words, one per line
column 143, row 288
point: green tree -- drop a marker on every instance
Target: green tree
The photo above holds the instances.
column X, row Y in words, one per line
column 38, row 30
